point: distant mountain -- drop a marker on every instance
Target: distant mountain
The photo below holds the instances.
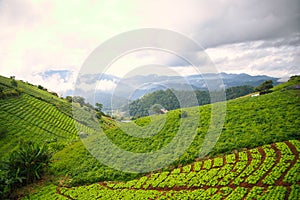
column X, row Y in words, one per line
column 152, row 83
column 246, row 79
column 132, row 88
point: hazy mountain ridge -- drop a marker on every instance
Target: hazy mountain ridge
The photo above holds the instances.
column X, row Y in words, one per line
column 132, row 88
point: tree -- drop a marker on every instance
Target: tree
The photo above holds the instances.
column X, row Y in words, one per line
column 69, row 98
column 155, row 109
column 14, row 83
column 264, row 87
column 99, row 107
column 79, row 99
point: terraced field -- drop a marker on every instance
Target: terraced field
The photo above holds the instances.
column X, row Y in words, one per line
column 28, row 113
column 267, row 172
column 35, row 115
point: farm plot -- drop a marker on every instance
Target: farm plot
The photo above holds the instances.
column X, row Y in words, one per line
column 267, row 172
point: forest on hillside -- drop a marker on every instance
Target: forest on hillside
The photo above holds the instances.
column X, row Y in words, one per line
column 168, row 99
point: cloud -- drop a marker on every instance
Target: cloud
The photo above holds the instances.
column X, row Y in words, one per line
column 220, row 22
column 38, row 36
column 106, row 85
column 255, row 37
column 257, row 58
column 58, row 81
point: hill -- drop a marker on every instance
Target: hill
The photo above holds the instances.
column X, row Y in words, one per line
column 33, row 114
column 250, row 122
column 267, row 172
column 134, row 87
column 168, row 99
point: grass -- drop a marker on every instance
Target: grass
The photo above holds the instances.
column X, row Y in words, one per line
column 250, row 122
column 36, row 115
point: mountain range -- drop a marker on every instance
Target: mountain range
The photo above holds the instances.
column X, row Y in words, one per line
column 131, row 88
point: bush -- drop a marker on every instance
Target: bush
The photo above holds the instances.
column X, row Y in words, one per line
column 25, row 165
column 14, row 83
column 9, row 93
column 183, row 114
column 41, row 87
column 265, row 87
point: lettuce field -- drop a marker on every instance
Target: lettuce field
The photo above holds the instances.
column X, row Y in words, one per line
column 267, row 172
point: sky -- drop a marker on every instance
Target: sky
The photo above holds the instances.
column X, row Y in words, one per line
column 47, row 41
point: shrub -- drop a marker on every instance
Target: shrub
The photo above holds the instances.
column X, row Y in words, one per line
column 14, row 83
column 183, row 114
column 25, row 165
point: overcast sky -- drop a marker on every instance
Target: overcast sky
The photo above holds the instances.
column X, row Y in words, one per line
column 251, row 36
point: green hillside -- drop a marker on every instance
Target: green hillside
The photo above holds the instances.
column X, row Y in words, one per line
column 267, row 172
column 34, row 115
column 169, row 99
column 250, row 122
column 29, row 113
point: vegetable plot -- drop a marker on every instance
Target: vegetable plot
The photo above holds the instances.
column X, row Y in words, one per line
column 267, row 172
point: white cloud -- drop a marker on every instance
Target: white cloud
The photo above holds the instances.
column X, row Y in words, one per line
column 256, row 37
column 106, row 85
column 188, row 70
column 256, row 59
column 54, row 82
column 140, row 62
column 43, row 35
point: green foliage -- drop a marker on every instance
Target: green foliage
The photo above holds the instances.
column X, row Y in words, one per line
column 76, row 162
column 265, row 87
column 165, row 98
column 99, row 107
column 24, row 165
column 184, row 114
column 78, row 99
column 40, row 116
column 292, row 84
column 14, row 83
column 29, row 119
column 207, row 182
column 41, row 87
column 10, row 93
column 69, row 99
column 170, row 99
column 250, row 122
column 238, row 91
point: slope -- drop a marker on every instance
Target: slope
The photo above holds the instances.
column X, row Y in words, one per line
column 267, row 172
column 250, row 122
column 34, row 114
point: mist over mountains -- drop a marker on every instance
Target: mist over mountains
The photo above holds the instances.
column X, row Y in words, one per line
column 114, row 92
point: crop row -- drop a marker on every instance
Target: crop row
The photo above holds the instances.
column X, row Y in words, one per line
column 35, row 128
column 267, row 167
column 40, row 109
column 30, row 122
column 97, row 191
column 45, row 112
column 37, row 120
column 203, row 180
